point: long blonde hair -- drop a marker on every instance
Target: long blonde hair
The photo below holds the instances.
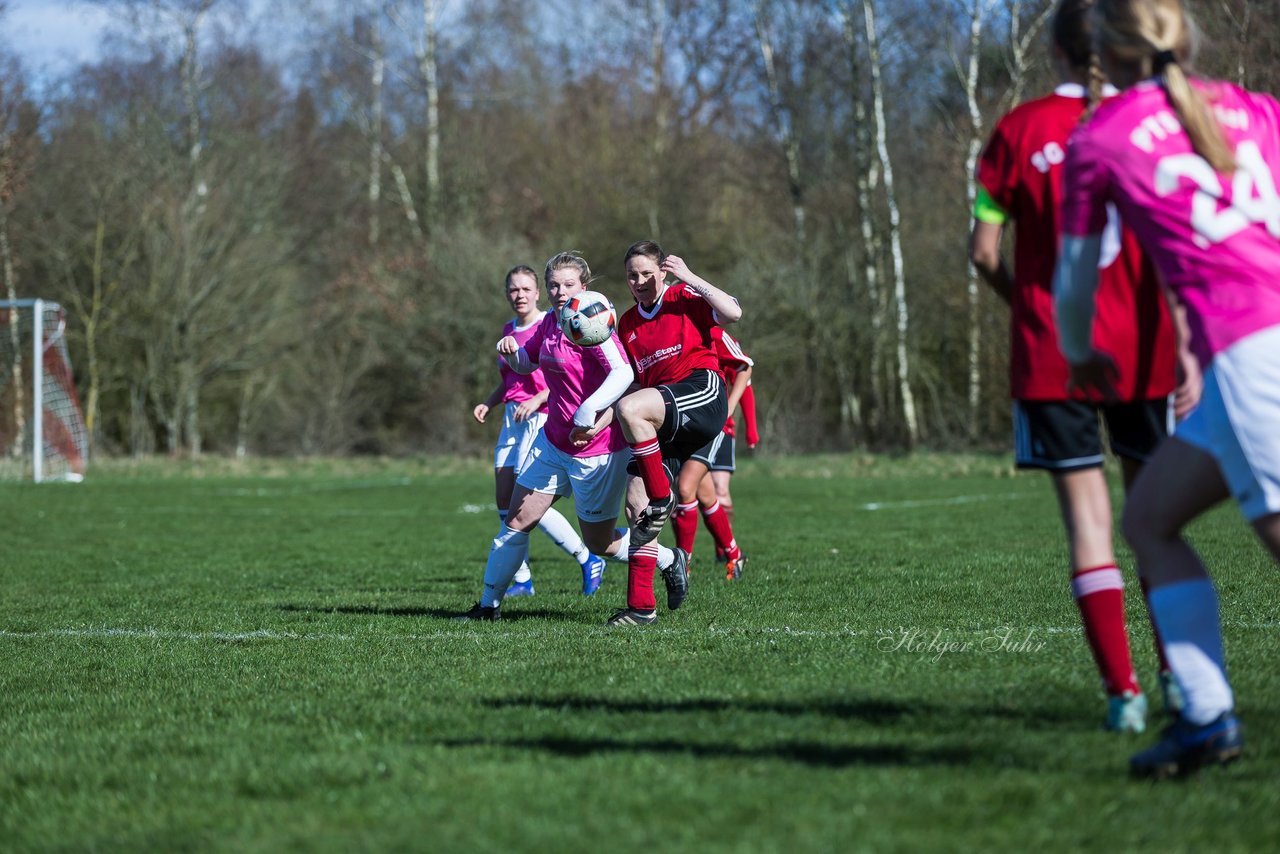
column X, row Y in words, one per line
column 1158, row 38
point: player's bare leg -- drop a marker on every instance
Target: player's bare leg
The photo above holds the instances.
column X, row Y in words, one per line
column 1098, row 589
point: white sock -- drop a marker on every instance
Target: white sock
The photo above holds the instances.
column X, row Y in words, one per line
column 561, row 532
column 505, row 556
column 666, row 556
column 1186, row 614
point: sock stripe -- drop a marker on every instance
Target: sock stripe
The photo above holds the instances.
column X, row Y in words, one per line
column 707, row 511
column 645, row 449
column 1095, row 581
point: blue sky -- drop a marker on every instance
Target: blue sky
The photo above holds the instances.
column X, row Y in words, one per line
column 53, row 36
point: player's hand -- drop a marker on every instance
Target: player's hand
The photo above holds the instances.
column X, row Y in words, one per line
column 675, row 266
column 480, row 412
column 580, row 437
column 1098, row 373
column 524, row 411
column 508, row 345
column 1190, row 385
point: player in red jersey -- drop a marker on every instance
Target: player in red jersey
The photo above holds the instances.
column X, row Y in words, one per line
column 1020, row 179
column 704, row 477
column 680, row 405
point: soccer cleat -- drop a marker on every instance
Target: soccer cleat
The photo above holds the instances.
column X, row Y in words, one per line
column 1185, row 747
column 676, row 578
column 650, row 521
column 519, row 588
column 592, row 574
column 733, row 568
column 632, row 617
column 1127, row 712
column 481, row 613
column 1172, row 693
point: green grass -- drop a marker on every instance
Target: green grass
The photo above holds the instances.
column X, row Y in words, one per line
column 256, row 656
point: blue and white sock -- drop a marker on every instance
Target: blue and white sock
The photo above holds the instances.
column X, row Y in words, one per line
column 1186, row 613
column 522, row 574
column 505, row 556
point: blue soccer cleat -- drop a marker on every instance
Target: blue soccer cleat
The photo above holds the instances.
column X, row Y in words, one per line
column 592, row 574
column 518, row 589
column 1184, row 748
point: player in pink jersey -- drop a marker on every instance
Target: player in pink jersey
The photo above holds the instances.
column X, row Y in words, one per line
column 703, row 483
column 679, row 407
column 524, row 413
column 1020, row 180
column 580, row 451
column 1192, row 166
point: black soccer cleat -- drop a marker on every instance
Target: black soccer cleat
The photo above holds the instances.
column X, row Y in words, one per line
column 632, row 617
column 676, row 577
column 1184, row 748
column 481, row 613
column 650, row 521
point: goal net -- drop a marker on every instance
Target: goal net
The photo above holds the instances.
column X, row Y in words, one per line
column 42, row 433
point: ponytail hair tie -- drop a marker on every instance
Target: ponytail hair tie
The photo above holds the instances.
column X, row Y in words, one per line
column 1163, row 58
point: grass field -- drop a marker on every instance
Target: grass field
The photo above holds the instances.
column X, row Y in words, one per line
column 258, row 657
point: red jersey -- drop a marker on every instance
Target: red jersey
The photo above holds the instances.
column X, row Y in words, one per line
column 1021, row 170
column 732, row 360
column 671, row 340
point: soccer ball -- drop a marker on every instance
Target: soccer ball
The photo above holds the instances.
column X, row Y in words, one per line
column 587, row 319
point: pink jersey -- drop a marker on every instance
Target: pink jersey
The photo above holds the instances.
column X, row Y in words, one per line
column 518, row 387
column 572, row 373
column 671, row 340
column 1215, row 238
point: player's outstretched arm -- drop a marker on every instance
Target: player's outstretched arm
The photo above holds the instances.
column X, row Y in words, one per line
column 725, row 306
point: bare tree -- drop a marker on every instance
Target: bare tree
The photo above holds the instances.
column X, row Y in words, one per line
column 895, row 225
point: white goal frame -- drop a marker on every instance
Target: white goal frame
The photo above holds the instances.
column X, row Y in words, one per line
column 33, row 439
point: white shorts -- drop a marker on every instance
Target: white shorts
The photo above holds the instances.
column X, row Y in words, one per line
column 516, row 438
column 596, row 483
column 1238, row 420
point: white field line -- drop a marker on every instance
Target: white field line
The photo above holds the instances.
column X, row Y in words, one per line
column 918, row 634
column 941, row 502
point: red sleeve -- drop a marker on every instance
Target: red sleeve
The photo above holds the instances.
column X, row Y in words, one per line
column 748, row 404
column 997, row 169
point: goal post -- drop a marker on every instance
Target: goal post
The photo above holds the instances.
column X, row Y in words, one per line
column 42, row 431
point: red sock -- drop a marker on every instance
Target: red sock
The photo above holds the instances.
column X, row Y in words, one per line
column 1099, row 594
column 684, row 521
column 717, row 522
column 648, row 456
column 640, row 566
column 1155, row 633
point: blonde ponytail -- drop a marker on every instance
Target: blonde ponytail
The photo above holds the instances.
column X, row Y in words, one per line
column 1158, row 37
column 1206, row 135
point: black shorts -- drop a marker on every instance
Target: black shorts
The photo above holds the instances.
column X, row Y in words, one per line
column 1064, row 435
column 696, row 409
column 718, row 454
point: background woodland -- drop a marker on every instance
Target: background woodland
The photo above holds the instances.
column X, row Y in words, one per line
column 282, row 228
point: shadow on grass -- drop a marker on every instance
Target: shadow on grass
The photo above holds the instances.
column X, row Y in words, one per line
column 441, row 613
column 814, row 754
column 868, row 710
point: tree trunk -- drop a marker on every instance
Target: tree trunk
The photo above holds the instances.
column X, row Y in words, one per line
column 377, row 74
column 782, row 120
column 657, row 25
column 978, row 12
column 895, row 229
column 427, row 64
